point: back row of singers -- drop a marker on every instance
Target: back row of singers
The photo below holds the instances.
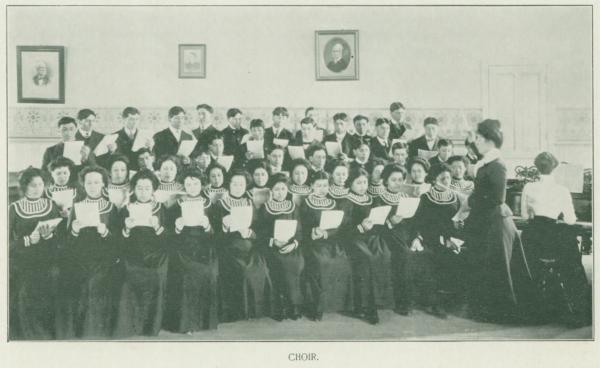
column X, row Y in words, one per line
column 81, row 143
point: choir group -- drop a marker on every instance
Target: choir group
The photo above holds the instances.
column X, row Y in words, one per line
column 126, row 234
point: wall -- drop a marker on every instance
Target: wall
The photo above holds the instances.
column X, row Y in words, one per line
column 430, row 58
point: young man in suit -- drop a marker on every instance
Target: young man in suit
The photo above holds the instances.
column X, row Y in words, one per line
column 126, row 136
column 167, row 141
column 428, row 141
column 445, row 148
column 399, row 128
column 362, row 155
column 86, row 133
column 361, row 128
column 205, row 128
column 307, row 133
column 276, row 159
column 257, row 134
column 380, row 144
column 277, row 130
column 313, row 113
column 317, row 156
column 233, row 134
column 340, row 120
column 68, row 131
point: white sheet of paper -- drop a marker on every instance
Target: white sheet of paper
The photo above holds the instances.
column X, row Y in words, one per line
column 571, row 176
column 261, row 195
column 460, row 151
column 140, row 140
column 141, row 213
column 461, row 215
column 296, row 152
column 225, row 161
column 102, row 147
column 53, row 223
column 284, row 230
column 407, row 207
column 281, row 142
column 427, row 154
column 256, row 148
column 457, row 241
column 331, row 219
column 333, row 148
column 192, row 212
column 72, row 151
column 245, row 138
column 378, row 215
column 186, row 147
column 318, row 136
column 87, row 214
column 411, row 190
column 163, row 196
column 117, row 196
column 241, row 218
column 64, row 198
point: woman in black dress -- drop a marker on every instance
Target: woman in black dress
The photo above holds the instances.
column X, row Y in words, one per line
column 551, row 244
column 376, row 186
column 169, row 188
column 436, row 247
column 327, row 271
column 500, row 278
column 31, row 260
column 284, row 256
column 193, row 266
column 216, row 180
column 259, row 191
column 244, row 285
column 88, row 266
column 299, row 187
column 396, row 234
column 118, row 190
column 144, row 254
column 339, row 175
column 370, row 256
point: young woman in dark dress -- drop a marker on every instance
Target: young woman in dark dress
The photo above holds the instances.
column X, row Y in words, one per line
column 168, row 168
column 299, row 188
column 216, row 180
column 396, row 234
column 327, row 270
column 144, row 254
column 118, row 190
column 500, row 279
column 88, row 266
column 371, row 258
column 31, row 260
column 284, row 256
column 551, row 244
column 433, row 258
column 244, row 285
column 376, row 186
column 192, row 303
column 259, row 191
column 339, row 175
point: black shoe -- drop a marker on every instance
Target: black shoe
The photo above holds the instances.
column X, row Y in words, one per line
column 372, row 317
column 318, row 316
column 403, row 310
column 439, row 312
column 294, row 313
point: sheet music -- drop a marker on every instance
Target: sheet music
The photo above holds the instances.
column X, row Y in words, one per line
column 378, row 215
column 64, row 198
column 407, row 207
column 225, row 161
column 118, row 197
column 72, row 151
column 186, row 147
column 241, row 218
column 281, row 142
column 140, row 140
column 296, row 152
column 284, row 230
column 192, row 212
column 256, row 148
column 102, row 147
column 331, row 219
column 334, row 149
column 427, row 154
column 141, row 213
column 87, row 214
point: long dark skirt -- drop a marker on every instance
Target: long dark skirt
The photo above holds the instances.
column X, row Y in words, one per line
column 397, row 241
column 244, row 281
column 433, row 275
column 285, row 271
column 555, row 260
column 31, row 296
column 329, row 278
column 192, row 303
column 501, row 284
column 371, row 271
column 142, row 300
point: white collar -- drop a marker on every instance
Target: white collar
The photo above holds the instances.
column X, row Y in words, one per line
column 382, row 141
column 130, row 131
column 234, row 128
column 547, row 178
column 430, row 139
column 359, row 162
column 176, row 132
column 490, row 156
column 83, row 133
column 340, row 137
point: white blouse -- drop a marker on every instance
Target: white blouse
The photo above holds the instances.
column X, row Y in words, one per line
column 547, row 198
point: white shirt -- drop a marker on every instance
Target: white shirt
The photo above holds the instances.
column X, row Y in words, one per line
column 339, row 137
column 430, row 143
column 130, row 133
column 490, row 156
column 176, row 133
column 382, row 141
column 85, row 134
column 547, row 198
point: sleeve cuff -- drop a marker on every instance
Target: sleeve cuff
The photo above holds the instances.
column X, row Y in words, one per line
column 389, row 224
column 360, row 228
column 208, row 228
column 26, row 241
column 160, row 230
column 74, row 233
column 125, row 233
column 178, row 231
column 325, row 234
column 105, row 234
column 271, row 242
column 48, row 237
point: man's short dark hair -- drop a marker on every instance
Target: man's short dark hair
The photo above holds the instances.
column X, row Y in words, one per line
column 257, row 123
column 66, row 120
column 396, row 106
column 307, row 120
column 233, row 112
column 175, row 110
column 359, row 117
column 280, row 111
column 340, row 116
column 429, row 121
column 310, row 151
column 381, row 121
column 84, row 114
column 128, row 111
column 205, row 107
column 308, row 109
column 445, row 143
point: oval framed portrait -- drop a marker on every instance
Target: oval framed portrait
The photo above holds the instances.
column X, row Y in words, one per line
column 336, row 55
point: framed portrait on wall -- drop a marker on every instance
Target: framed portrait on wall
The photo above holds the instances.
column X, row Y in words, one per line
column 192, row 61
column 336, row 55
column 40, row 74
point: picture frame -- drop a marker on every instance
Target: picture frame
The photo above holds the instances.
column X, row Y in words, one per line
column 41, row 74
column 336, row 55
column 192, row 61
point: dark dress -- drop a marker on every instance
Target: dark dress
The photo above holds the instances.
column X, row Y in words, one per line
column 144, row 255
column 192, row 303
column 375, row 190
column 328, row 271
column 553, row 245
column 286, row 263
column 88, row 274
column 501, row 285
column 397, row 238
column 31, row 302
column 434, row 270
column 337, row 192
column 371, row 258
column 244, row 282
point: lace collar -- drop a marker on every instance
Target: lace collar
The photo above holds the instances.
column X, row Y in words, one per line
column 376, row 189
column 300, row 189
column 228, row 201
column 320, row 203
column 363, row 200
column 27, row 208
column 278, row 207
column 156, row 206
column 199, row 198
column 441, row 197
column 337, row 192
column 104, row 205
column 171, row 187
column 392, row 198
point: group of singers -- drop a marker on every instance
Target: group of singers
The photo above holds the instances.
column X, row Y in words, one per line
column 211, row 249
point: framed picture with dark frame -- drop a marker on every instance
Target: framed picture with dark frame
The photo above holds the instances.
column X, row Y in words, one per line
column 336, row 55
column 41, row 74
column 192, row 61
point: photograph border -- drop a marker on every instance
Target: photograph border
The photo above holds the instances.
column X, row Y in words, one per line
column 181, row 48
column 61, row 78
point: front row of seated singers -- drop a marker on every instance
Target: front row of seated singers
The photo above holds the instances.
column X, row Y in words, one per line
column 183, row 249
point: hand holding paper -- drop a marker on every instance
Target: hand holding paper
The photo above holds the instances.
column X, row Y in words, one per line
column 378, row 215
column 186, row 147
column 87, row 214
column 256, row 148
column 407, row 207
column 103, row 147
column 331, row 219
column 141, row 213
column 192, row 213
column 241, row 218
column 284, row 230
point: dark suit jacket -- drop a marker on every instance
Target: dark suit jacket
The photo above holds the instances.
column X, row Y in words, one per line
column 92, row 141
column 435, row 161
column 346, row 142
column 298, row 141
column 420, row 144
column 203, row 137
column 366, row 166
column 396, row 131
column 283, row 134
column 165, row 142
column 337, row 67
column 232, row 140
column 124, row 146
column 56, row 151
column 378, row 150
